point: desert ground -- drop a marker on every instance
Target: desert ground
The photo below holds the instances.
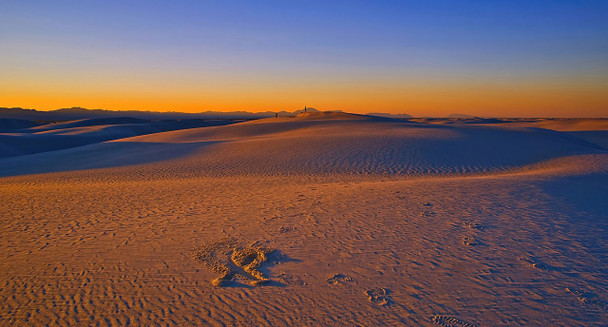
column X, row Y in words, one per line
column 324, row 219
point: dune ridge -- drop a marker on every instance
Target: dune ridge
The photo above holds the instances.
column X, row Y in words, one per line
column 35, row 137
column 317, row 144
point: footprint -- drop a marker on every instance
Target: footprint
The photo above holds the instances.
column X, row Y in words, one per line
column 448, row 321
column 472, row 225
column 377, row 296
column 399, row 196
column 291, row 280
column 469, row 240
column 272, row 218
column 338, row 279
column 535, row 263
column 589, row 299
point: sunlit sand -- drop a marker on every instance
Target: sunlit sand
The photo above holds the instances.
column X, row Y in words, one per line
column 321, row 219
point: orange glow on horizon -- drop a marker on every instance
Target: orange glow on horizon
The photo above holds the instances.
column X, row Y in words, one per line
column 510, row 100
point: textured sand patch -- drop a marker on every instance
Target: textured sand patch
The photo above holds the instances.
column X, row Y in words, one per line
column 233, row 261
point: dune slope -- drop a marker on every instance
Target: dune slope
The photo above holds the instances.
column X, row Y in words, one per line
column 335, row 145
column 47, row 137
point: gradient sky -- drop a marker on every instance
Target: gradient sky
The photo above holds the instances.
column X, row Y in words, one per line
column 427, row 58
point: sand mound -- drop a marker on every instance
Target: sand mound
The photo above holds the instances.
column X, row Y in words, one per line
column 91, row 122
column 287, row 146
column 12, row 124
column 569, row 125
column 594, row 131
column 57, row 136
column 332, row 115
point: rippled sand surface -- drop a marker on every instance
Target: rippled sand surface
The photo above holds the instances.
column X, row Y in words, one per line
column 322, row 219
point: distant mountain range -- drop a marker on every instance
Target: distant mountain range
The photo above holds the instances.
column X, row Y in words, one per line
column 383, row 114
column 460, row 116
column 83, row 113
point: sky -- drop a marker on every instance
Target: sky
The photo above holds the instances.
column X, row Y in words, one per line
column 499, row 58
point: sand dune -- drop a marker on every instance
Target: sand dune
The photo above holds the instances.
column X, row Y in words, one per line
column 326, row 144
column 557, row 124
column 325, row 219
column 63, row 135
column 569, row 125
column 91, row 122
column 7, row 124
column 594, row 131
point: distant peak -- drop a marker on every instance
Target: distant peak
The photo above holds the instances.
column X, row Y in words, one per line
column 460, row 116
column 330, row 115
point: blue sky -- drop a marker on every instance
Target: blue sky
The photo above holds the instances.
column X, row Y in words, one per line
column 389, row 44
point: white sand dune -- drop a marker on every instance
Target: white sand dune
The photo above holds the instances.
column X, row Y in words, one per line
column 332, row 143
column 90, row 122
column 63, row 135
column 8, row 124
column 569, row 125
column 325, row 219
column 594, row 131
